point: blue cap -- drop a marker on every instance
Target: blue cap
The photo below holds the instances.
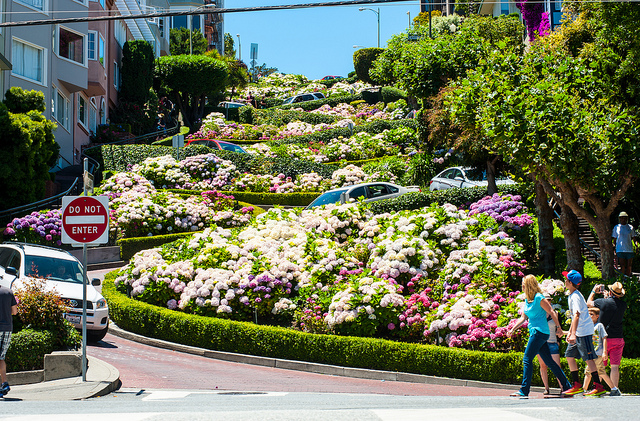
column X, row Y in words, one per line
column 573, row 276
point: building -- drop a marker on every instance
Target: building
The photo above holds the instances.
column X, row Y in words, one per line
column 211, row 25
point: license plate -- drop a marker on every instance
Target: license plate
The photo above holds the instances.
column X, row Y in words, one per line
column 73, row 318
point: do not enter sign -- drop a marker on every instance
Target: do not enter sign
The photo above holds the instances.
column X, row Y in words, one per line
column 85, row 220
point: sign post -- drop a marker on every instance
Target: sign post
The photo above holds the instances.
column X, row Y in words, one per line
column 85, row 220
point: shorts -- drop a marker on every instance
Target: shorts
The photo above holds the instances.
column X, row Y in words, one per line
column 615, row 347
column 582, row 348
column 554, row 348
column 5, row 340
column 599, row 366
column 625, row 255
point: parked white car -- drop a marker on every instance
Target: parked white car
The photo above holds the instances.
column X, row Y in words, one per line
column 63, row 273
column 463, row 177
column 312, row 96
column 369, row 191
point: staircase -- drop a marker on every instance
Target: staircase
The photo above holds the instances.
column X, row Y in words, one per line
column 590, row 246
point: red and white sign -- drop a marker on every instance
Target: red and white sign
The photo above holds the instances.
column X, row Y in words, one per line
column 85, row 219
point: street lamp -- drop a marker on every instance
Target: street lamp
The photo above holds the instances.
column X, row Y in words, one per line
column 378, row 14
column 239, row 48
column 358, row 46
column 409, row 14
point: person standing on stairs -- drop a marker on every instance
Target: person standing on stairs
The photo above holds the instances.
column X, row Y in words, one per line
column 623, row 237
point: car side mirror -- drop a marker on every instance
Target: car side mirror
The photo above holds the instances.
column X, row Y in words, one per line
column 11, row 271
column 95, row 282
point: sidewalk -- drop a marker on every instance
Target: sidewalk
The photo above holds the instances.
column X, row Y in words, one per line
column 102, row 379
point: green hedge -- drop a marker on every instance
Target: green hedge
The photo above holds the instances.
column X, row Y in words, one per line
column 332, row 101
column 458, row 197
column 280, row 117
column 345, row 351
column 130, row 246
column 283, row 199
column 28, row 348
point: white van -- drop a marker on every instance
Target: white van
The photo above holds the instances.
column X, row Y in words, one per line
column 62, row 273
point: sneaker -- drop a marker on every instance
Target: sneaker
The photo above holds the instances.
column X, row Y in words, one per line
column 4, row 389
column 615, row 392
column 597, row 390
column 576, row 389
column 518, row 394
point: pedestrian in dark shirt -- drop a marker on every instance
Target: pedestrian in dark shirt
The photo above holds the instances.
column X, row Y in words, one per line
column 8, row 307
column 612, row 307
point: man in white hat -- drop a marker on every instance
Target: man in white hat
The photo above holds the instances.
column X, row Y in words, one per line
column 612, row 307
column 623, row 237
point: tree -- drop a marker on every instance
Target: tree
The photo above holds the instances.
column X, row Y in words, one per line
column 183, row 41
column 229, row 46
column 188, row 80
column 363, row 60
column 263, row 70
column 27, row 149
column 551, row 114
column 137, row 72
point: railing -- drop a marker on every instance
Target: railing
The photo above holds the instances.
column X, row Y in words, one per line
column 584, row 247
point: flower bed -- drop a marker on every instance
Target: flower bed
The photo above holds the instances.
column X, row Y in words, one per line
column 423, row 275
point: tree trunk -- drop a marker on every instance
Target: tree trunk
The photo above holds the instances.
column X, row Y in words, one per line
column 603, row 230
column 569, row 225
column 547, row 251
column 491, row 176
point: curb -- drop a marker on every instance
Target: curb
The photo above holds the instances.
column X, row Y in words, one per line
column 317, row 368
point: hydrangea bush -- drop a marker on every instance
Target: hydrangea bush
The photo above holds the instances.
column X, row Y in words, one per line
column 432, row 275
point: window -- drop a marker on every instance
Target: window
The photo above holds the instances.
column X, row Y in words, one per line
column 27, row 60
column 103, row 111
column 82, row 110
column 101, row 50
column 100, row 1
column 70, row 45
column 36, row 4
column 92, row 52
column 60, row 109
column 93, row 117
column 116, row 75
column 120, row 32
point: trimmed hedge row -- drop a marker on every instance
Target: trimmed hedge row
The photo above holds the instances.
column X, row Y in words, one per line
column 130, row 246
column 458, row 197
column 345, row 351
column 252, row 198
column 280, row 117
column 28, row 348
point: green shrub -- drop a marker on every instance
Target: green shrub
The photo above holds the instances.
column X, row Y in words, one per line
column 20, row 101
column 369, row 353
column 246, row 115
column 391, row 94
column 28, row 348
column 283, row 199
column 42, row 309
column 363, row 61
column 331, row 101
column 457, row 197
column 280, row 117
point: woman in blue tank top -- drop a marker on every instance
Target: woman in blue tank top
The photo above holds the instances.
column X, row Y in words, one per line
column 535, row 311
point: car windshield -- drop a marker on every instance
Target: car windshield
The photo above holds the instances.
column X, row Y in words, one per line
column 231, row 147
column 327, row 198
column 52, row 268
column 475, row 174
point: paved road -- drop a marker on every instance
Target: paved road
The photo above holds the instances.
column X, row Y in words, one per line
column 145, row 367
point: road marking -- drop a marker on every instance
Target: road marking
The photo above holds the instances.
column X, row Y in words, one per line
column 156, row 395
column 451, row 414
column 129, row 416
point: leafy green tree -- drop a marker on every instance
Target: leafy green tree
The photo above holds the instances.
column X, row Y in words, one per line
column 137, row 72
column 188, row 80
column 181, row 43
column 229, row 46
column 264, row 70
column 363, row 60
column 551, row 114
column 27, row 149
column 19, row 101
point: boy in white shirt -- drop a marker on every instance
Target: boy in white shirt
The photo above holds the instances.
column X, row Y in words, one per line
column 600, row 344
column 580, row 338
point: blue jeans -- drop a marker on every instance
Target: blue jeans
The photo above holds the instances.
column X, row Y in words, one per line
column 538, row 345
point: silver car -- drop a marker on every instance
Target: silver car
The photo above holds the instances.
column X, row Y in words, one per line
column 463, row 177
column 370, row 192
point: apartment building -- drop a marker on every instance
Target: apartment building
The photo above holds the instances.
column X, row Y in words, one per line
column 211, row 25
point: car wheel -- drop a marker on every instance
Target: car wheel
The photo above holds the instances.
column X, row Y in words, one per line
column 96, row 335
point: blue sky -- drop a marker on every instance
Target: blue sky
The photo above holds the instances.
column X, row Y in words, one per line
column 313, row 42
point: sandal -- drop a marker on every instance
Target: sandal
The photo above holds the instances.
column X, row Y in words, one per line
column 546, row 392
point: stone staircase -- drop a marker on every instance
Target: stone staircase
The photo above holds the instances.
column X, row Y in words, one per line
column 590, row 245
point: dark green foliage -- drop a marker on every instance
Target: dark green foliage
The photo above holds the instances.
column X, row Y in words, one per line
column 179, row 42
column 363, row 61
column 370, row 353
column 459, row 197
column 188, row 80
column 391, row 94
column 137, row 72
column 332, row 101
column 20, row 101
column 28, row 348
column 246, row 115
column 229, row 45
column 280, row 117
column 27, row 151
column 130, row 246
